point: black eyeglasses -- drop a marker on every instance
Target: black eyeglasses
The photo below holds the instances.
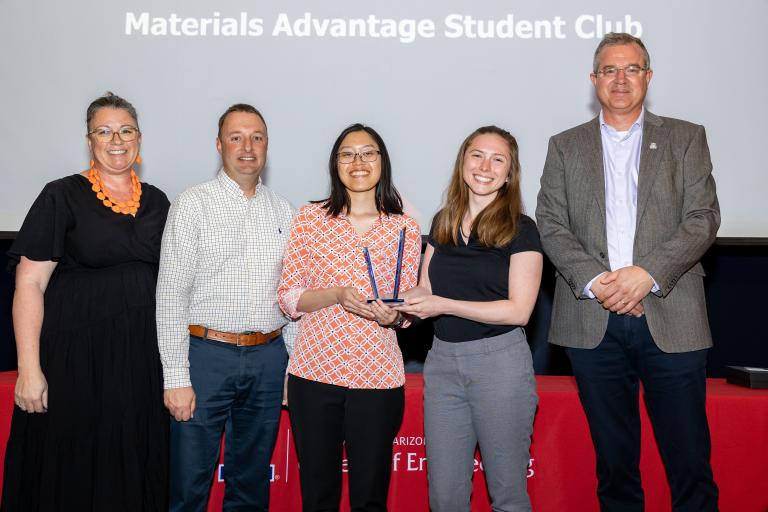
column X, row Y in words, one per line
column 347, row 157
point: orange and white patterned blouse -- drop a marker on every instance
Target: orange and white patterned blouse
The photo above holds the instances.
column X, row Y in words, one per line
column 334, row 346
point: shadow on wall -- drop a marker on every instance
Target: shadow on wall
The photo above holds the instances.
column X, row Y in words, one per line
column 736, row 279
column 7, row 342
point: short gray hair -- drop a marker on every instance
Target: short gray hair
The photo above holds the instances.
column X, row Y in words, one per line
column 616, row 39
column 109, row 100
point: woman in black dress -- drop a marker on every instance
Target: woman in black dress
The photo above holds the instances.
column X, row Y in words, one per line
column 89, row 430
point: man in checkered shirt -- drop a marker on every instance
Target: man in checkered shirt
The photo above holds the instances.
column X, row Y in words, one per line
column 219, row 324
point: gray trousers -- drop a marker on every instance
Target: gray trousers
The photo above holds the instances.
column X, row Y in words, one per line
column 479, row 392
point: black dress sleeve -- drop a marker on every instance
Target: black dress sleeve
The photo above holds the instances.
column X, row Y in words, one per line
column 527, row 238
column 430, row 238
column 43, row 233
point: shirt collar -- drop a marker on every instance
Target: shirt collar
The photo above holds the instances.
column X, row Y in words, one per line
column 637, row 125
column 231, row 186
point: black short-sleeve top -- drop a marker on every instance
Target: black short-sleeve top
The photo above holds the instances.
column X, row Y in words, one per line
column 69, row 225
column 474, row 272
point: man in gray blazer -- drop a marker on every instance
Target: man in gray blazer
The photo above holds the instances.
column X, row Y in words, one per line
column 626, row 209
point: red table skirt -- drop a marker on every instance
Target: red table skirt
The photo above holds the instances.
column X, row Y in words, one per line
column 562, row 468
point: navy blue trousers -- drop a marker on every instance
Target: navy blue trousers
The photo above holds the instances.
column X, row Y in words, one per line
column 239, row 388
column 674, row 387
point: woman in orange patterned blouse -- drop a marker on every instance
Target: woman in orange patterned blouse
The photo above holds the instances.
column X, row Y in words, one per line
column 346, row 372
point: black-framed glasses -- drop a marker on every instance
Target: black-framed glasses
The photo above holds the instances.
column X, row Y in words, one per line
column 347, row 157
column 105, row 134
column 631, row 71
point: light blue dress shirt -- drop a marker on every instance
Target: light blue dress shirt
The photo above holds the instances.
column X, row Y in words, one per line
column 621, row 167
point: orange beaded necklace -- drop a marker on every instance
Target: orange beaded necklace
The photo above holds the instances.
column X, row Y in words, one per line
column 129, row 207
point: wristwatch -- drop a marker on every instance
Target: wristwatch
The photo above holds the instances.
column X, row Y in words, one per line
column 399, row 323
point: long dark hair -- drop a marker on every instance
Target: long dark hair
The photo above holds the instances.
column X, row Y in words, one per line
column 388, row 200
column 496, row 225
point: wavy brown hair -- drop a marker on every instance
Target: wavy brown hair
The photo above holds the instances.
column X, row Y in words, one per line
column 497, row 224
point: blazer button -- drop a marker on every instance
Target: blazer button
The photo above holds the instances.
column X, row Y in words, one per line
column 602, row 255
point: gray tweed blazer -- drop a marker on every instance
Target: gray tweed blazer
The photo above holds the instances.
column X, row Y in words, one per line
column 677, row 219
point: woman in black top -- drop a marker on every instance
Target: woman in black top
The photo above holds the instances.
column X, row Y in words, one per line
column 89, row 430
column 481, row 276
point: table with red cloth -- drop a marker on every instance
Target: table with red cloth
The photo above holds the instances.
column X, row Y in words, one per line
column 562, row 468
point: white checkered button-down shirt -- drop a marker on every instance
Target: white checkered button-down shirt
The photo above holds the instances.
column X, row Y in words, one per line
column 220, row 266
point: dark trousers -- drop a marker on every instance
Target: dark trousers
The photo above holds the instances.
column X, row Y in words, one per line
column 325, row 418
column 242, row 388
column 674, row 388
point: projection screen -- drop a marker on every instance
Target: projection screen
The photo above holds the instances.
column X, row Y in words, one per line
column 424, row 74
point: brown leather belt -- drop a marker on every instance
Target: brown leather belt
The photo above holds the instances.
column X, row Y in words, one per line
column 246, row 339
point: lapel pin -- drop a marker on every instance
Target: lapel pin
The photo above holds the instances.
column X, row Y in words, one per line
column 653, row 145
